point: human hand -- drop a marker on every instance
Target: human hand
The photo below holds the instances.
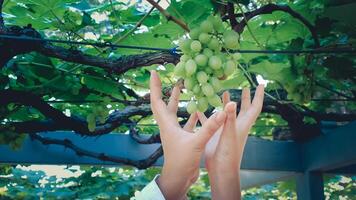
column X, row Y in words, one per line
column 181, row 146
column 224, row 151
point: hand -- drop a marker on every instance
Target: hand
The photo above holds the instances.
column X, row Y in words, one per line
column 224, row 151
column 182, row 148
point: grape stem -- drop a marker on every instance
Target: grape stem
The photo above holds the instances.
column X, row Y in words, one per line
column 248, row 27
column 169, row 16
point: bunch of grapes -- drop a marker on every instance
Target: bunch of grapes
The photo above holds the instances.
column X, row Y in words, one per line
column 206, row 61
column 99, row 113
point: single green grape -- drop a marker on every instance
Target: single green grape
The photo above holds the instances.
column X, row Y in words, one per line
column 203, row 104
column 197, row 90
column 192, row 107
column 190, row 67
column 214, row 44
column 202, row 77
column 215, row 62
column 214, row 100
column 204, row 38
column 184, row 58
column 236, row 56
column 201, row 60
column 189, row 83
column 206, row 26
column 194, row 33
column 179, row 70
column 208, row 70
column 217, row 23
column 208, row 52
column 195, row 46
column 231, row 39
column 229, row 67
column 208, row 90
column 184, row 45
column 219, row 73
column 216, row 84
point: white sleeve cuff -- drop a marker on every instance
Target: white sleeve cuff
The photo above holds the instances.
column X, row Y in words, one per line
column 149, row 192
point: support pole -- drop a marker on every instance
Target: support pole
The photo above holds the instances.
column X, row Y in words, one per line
column 310, row 186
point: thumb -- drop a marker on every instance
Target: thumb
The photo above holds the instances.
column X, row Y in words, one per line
column 210, row 127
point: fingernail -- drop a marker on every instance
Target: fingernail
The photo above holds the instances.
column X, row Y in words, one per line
column 232, row 108
column 220, row 117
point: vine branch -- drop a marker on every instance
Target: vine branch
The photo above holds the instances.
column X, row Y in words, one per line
column 270, row 8
column 169, row 16
column 155, row 138
column 119, row 65
column 140, row 164
column 2, row 25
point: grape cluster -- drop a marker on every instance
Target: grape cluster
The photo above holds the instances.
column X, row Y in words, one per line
column 204, row 63
column 99, row 113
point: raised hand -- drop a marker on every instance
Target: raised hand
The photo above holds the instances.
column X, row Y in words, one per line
column 182, row 147
column 225, row 149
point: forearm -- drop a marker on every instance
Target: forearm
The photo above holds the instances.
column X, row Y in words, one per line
column 225, row 186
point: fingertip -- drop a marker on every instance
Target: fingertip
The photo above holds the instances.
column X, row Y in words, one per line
column 220, row 117
column 231, row 107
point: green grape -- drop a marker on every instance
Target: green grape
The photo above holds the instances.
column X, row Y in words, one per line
column 192, row 107
column 194, row 33
column 203, row 104
column 169, row 66
column 215, row 100
column 219, row 73
column 197, row 90
column 217, row 23
column 231, row 39
column 184, row 58
column 184, row 45
column 195, row 46
column 91, row 122
column 215, row 62
column 206, row 26
column 214, row 44
column 229, row 67
column 204, row 38
column 202, row 77
column 208, row 70
column 208, row 52
column 190, row 67
column 179, row 70
column 189, row 83
column 201, row 60
column 208, row 90
column 215, row 83
column 236, row 56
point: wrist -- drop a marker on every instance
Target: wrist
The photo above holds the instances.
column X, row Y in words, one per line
column 225, row 185
column 173, row 185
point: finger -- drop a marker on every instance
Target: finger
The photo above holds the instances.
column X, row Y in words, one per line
column 210, row 127
column 258, row 98
column 230, row 123
column 226, row 98
column 156, row 92
column 174, row 100
column 245, row 100
column 257, row 104
column 202, row 118
column 191, row 123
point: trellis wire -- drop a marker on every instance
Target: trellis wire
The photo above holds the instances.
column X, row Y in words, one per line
column 133, row 101
column 174, row 50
